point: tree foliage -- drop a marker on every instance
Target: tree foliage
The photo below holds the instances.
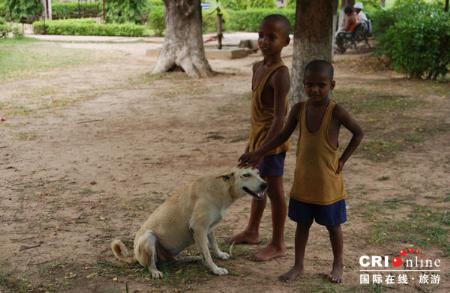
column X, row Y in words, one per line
column 415, row 35
column 120, row 11
column 24, row 10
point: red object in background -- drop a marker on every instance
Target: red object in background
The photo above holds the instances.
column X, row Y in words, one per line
column 397, row 261
column 410, row 250
column 402, row 252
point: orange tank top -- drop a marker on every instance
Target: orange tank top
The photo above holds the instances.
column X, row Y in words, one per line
column 262, row 115
column 315, row 179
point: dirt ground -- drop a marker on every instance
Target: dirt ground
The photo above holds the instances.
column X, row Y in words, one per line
column 89, row 150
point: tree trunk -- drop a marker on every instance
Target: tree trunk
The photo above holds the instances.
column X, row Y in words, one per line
column 383, row 3
column 313, row 39
column 183, row 43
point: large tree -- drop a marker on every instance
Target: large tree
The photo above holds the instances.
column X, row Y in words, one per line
column 183, row 43
column 313, row 38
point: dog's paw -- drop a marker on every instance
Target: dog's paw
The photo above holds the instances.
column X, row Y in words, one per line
column 220, row 271
column 223, row 255
column 156, row 274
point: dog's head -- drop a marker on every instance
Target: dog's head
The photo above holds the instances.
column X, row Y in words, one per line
column 246, row 181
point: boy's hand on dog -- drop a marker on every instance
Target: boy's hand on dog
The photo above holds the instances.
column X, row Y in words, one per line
column 249, row 159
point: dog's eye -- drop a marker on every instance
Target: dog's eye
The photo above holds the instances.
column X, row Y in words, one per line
column 247, row 175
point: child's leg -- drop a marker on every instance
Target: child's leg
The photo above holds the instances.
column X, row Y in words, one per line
column 301, row 238
column 276, row 246
column 337, row 244
column 251, row 234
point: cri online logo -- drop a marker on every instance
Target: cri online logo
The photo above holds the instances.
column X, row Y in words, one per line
column 412, row 260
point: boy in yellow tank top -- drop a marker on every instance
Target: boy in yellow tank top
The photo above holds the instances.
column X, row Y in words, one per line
column 270, row 86
column 318, row 190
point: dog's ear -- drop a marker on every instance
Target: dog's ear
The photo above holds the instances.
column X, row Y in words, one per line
column 226, row 176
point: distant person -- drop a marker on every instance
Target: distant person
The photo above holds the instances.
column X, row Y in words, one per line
column 360, row 15
column 318, row 192
column 348, row 26
column 350, row 21
column 270, row 87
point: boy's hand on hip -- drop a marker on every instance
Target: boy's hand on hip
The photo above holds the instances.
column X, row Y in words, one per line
column 249, row 159
column 340, row 166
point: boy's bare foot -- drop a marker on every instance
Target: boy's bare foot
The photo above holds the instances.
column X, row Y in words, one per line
column 336, row 273
column 244, row 237
column 269, row 252
column 292, row 274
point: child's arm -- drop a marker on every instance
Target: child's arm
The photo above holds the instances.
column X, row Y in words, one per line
column 280, row 83
column 345, row 119
column 253, row 158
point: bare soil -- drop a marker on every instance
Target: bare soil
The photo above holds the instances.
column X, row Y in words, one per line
column 103, row 144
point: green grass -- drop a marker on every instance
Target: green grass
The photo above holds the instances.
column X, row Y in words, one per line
column 9, row 283
column 391, row 123
column 369, row 103
column 26, row 136
column 23, row 57
column 422, row 227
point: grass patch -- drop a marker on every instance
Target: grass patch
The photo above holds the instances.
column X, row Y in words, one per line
column 364, row 102
column 27, row 136
column 422, row 227
column 392, row 123
column 24, row 57
column 13, row 284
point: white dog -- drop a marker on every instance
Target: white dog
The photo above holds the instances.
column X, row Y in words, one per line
column 189, row 216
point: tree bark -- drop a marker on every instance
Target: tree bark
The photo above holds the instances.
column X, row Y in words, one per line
column 313, row 39
column 183, row 43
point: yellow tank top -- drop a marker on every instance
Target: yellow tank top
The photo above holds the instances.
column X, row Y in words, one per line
column 315, row 179
column 262, row 115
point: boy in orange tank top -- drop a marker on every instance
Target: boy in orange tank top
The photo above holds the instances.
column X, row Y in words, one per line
column 318, row 192
column 270, row 86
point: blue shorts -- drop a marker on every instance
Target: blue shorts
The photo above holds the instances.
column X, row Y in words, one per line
column 326, row 215
column 272, row 165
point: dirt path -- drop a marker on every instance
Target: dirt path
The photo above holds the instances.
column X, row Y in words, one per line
column 78, row 174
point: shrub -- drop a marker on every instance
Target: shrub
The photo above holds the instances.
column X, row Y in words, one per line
column 156, row 20
column 250, row 19
column 4, row 28
column 119, row 11
column 418, row 40
column 248, row 4
column 17, row 31
column 155, row 3
column 75, row 10
column 24, row 10
column 88, row 27
column 3, row 10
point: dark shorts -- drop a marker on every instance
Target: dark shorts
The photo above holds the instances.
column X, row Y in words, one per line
column 326, row 215
column 272, row 165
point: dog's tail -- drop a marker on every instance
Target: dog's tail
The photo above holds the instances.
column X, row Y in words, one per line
column 121, row 252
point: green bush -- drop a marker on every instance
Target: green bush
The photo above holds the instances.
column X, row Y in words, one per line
column 3, row 10
column 418, row 39
column 75, row 10
column 248, row 4
column 24, row 10
column 250, row 19
column 17, row 31
column 402, row 9
column 156, row 20
column 119, row 11
column 88, row 27
column 155, row 3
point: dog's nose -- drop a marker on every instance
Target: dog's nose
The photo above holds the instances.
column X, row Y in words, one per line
column 264, row 185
